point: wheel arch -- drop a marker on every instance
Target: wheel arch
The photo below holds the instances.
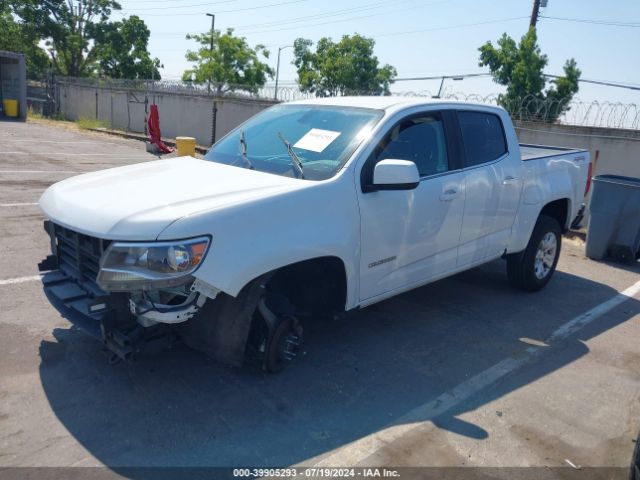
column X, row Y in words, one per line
column 528, row 215
column 559, row 210
column 323, row 277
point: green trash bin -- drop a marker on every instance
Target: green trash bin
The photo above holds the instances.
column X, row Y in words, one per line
column 614, row 223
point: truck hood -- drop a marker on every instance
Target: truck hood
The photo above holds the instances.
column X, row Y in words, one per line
column 137, row 202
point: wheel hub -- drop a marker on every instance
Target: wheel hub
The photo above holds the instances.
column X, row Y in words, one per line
column 545, row 255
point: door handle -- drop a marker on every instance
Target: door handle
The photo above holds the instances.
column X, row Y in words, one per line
column 509, row 180
column 449, row 195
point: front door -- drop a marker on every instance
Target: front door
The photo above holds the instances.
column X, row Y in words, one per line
column 411, row 236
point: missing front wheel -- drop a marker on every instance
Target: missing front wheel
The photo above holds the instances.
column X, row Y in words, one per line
column 276, row 335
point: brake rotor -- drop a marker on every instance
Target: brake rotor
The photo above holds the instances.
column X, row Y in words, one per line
column 284, row 344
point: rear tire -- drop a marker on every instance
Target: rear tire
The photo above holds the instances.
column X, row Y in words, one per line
column 531, row 269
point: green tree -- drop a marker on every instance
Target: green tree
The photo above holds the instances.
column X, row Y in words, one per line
column 231, row 65
column 348, row 67
column 83, row 42
column 121, row 50
column 520, row 67
column 68, row 28
column 21, row 38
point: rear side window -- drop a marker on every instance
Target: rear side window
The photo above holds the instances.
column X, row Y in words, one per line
column 483, row 137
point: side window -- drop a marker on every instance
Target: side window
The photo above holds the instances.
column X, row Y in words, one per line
column 483, row 137
column 419, row 139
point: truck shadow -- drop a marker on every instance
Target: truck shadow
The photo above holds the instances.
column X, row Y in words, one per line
column 356, row 377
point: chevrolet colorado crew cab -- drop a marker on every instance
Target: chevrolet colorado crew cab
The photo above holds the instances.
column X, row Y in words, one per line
column 307, row 210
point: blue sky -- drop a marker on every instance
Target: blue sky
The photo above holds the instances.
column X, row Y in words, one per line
column 418, row 37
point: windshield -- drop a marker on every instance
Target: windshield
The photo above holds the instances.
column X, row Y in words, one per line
column 301, row 141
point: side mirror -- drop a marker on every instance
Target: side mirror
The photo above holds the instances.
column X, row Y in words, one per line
column 395, row 175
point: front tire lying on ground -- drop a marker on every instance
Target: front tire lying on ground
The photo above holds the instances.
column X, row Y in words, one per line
column 531, row 269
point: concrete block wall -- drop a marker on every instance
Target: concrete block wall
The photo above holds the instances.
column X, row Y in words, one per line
column 180, row 114
column 619, row 150
column 186, row 116
column 77, row 102
column 232, row 112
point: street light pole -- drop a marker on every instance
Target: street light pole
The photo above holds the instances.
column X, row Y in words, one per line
column 275, row 95
column 213, row 21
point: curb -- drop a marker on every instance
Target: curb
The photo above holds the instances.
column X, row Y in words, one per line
column 136, row 136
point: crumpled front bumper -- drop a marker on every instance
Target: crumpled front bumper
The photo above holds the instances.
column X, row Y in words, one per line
column 69, row 279
column 69, row 284
column 219, row 327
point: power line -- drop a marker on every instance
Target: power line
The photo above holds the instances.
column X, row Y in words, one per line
column 471, row 75
column 207, row 4
column 224, row 11
column 440, row 77
column 331, row 22
column 451, row 27
column 598, row 82
column 332, row 13
column 595, row 22
column 319, row 16
column 137, row 2
column 258, row 28
column 391, row 34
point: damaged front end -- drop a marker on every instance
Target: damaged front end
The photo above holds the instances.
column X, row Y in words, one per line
column 141, row 296
column 130, row 295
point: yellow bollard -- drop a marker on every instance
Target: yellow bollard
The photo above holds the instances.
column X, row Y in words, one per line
column 186, row 146
column 10, row 107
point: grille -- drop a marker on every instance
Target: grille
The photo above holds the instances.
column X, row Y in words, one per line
column 79, row 255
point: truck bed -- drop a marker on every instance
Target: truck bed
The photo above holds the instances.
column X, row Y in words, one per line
column 533, row 152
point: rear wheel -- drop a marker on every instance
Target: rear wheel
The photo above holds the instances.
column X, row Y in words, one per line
column 531, row 269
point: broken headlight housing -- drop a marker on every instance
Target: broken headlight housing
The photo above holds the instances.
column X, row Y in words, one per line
column 129, row 266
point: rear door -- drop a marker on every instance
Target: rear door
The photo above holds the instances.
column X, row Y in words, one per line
column 410, row 236
column 492, row 187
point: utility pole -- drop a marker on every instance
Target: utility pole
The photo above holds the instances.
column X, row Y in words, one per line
column 534, row 13
column 213, row 22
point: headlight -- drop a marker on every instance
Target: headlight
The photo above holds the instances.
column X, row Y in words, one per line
column 142, row 266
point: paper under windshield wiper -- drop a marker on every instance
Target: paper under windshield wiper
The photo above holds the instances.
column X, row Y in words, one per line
column 295, row 160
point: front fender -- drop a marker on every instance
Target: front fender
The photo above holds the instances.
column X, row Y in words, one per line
column 254, row 238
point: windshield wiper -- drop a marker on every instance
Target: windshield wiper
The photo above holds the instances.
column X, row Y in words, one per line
column 243, row 151
column 295, row 160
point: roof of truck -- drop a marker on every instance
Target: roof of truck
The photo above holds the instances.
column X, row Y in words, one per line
column 381, row 102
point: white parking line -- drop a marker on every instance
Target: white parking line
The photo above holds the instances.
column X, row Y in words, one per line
column 12, row 281
column 37, row 171
column 79, row 154
column 359, row 450
column 25, row 204
column 92, row 142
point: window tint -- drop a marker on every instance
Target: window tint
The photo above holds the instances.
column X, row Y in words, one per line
column 483, row 137
column 419, row 139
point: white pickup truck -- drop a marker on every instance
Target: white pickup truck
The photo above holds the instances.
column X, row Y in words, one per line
column 306, row 210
